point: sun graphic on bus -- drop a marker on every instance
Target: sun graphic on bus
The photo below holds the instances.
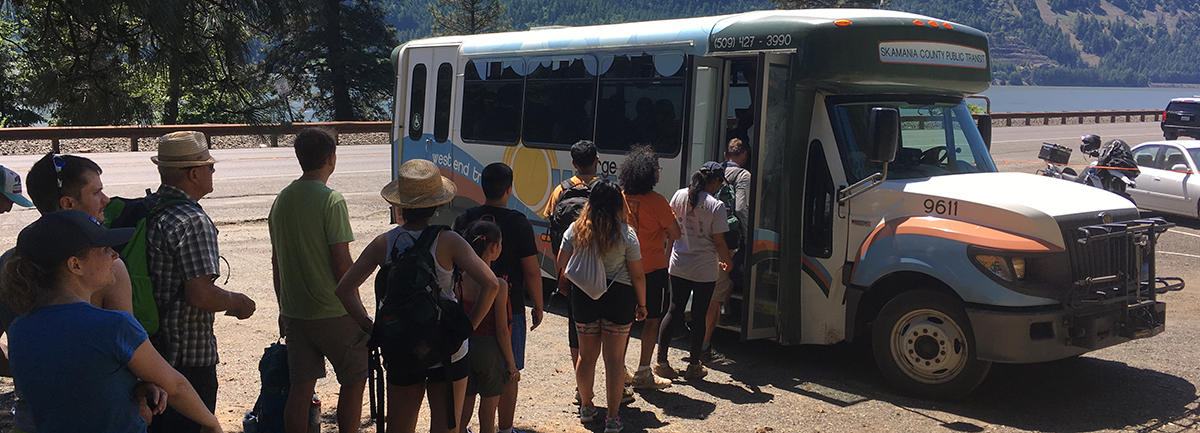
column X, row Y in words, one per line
column 531, row 174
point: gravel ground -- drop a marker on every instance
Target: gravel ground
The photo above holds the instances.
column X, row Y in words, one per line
column 98, row 145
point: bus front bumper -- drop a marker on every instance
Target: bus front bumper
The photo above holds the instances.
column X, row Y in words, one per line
column 1016, row 336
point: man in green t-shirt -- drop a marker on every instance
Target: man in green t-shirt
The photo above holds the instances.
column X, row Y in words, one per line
column 310, row 251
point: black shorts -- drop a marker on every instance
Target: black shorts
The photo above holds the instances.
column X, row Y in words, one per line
column 658, row 294
column 617, row 305
column 401, row 372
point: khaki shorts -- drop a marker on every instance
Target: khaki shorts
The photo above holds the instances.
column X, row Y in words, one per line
column 339, row 339
column 723, row 288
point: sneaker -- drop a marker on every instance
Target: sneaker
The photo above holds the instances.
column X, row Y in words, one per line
column 695, row 371
column 613, row 425
column 627, row 395
column 576, row 402
column 628, row 376
column 588, row 414
column 712, row 355
column 646, row 379
column 665, row 371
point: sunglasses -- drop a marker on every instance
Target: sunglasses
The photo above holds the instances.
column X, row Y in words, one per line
column 59, row 163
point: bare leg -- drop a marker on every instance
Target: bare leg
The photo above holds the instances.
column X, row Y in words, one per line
column 468, row 407
column 649, row 339
column 613, row 347
column 585, row 368
column 403, row 405
column 437, row 403
column 349, row 406
column 507, row 405
column 710, row 322
column 487, row 414
column 295, row 411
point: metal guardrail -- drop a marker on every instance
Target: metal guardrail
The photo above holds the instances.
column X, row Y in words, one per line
column 273, row 131
column 133, row 133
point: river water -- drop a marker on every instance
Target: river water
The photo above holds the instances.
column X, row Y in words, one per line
column 1007, row 99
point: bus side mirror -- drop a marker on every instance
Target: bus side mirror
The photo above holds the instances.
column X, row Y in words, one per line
column 984, row 123
column 884, row 126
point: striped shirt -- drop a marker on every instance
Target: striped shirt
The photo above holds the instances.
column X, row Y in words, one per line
column 181, row 244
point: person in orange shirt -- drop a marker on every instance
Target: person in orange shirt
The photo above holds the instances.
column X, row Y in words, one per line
column 651, row 216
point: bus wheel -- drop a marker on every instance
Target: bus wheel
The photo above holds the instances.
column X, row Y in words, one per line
column 924, row 346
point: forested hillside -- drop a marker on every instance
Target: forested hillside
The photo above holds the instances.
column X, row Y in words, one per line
column 1045, row 42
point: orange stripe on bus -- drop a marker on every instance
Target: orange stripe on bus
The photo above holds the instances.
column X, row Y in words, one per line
column 972, row 234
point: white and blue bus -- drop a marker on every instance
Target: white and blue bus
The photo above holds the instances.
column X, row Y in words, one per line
column 877, row 211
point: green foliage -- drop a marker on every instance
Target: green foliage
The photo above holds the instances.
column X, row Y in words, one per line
column 12, row 113
column 813, row 4
column 467, row 17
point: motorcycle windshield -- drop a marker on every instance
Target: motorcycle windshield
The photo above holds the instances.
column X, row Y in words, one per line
column 935, row 140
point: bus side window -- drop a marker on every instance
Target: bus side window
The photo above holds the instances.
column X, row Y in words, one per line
column 441, row 110
column 416, row 104
column 560, row 102
column 818, row 204
column 641, row 102
column 491, row 101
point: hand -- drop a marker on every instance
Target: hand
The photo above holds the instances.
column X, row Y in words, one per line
column 536, row 315
column 724, row 267
column 151, row 400
column 514, row 374
column 639, row 314
column 243, row 307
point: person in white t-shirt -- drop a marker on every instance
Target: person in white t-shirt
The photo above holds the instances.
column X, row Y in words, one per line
column 697, row 259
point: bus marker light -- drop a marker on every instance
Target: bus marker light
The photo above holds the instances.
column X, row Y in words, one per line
column 947, row 25
column 918, row 22
column 842, row 23
column 933, row 24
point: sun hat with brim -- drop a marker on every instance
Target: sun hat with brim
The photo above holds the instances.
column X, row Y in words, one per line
column 10, row 186
column 183, row 149
column 418, row 185
column 59, row 235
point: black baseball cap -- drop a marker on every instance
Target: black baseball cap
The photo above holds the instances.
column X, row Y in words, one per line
column 59, row 235
column 713, row 167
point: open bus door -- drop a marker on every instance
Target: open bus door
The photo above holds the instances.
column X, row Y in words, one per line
column 769, row 142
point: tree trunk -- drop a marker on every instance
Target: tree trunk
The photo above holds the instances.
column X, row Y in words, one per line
column 342, row 109
column 174, row 90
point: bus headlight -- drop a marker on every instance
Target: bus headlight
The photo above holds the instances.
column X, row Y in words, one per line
column 1011, row 269
column 1018, row 265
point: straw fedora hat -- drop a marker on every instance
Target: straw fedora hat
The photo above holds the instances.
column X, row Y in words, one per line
column 183, row 149
column 419, row 185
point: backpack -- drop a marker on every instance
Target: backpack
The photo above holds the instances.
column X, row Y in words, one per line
column 136, row 212
column 733, row 237
column 413, row 321
column 567, row 209
column 273, row 369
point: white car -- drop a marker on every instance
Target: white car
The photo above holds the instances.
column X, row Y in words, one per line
column 1169, row 181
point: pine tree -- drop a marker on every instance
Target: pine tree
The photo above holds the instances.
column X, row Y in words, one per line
column 468, row 17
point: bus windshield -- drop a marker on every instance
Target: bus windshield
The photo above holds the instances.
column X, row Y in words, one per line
column 935, row 140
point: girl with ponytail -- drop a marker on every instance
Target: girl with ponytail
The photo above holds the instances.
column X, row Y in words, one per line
column 603, row 323
column 492, row 362
column 697, row 258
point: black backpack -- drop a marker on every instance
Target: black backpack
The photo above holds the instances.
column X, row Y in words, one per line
column 273, row 368
column 567, row 209
column 413, row 321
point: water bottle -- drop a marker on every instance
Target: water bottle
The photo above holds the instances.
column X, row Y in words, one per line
column 314, row 415
column 250, row 423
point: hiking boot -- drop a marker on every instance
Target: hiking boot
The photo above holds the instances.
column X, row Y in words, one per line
column 588, row 414
column 646, row 379
column 665, row 371
column 628, row 376
column 613, row 425
column 695, row 371
column 627, row 395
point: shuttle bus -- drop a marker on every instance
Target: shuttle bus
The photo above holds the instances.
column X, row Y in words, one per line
column 877, row 211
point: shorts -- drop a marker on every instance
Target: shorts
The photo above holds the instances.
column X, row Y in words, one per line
column 602, row 326
column 572, row 335
column 617, row 305
column 519, row 329
column 339, row 339
column 489, row 370
column 399, row 373
column 658, row 294
column 726, row 280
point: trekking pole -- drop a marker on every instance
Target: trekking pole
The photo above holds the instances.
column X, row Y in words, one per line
column 375, row 382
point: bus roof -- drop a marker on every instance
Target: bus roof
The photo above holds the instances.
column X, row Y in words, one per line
column 691, row 35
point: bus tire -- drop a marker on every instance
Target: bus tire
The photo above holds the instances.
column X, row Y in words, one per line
column 924, row 346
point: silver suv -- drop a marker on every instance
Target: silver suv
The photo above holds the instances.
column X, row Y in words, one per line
column 1181, row 118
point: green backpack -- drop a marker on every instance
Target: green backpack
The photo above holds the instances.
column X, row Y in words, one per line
column 136, row 212
column 733, row 237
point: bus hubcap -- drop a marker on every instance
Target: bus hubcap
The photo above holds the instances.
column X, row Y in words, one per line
column 928, row 346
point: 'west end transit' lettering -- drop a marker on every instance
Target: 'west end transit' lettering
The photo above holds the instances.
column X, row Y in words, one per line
column 932, row 53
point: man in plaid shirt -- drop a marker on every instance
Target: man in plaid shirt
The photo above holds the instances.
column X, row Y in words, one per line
column 181, row 251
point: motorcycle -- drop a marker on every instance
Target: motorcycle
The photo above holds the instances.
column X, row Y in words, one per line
column 1113, row 169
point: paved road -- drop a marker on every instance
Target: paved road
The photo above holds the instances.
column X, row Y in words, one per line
column 1147, row 385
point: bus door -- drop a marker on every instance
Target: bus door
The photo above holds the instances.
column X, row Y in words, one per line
column 707, row 122
column 431, row 77
column 768, row 113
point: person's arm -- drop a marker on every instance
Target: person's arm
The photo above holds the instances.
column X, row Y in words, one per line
column 151, row 400
column 638, row 277
column 722, row 251
column 501, row 310
column 533, row 285
column 564, row 256
column 347, row 287
column 340, row 253
column 149, row 366
column 741, row 197
column 275, row 284
column 464, row 258
column 203, row 294
column 197, row 246
column 118, row 296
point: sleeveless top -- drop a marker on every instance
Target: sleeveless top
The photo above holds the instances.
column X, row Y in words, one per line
column 400, row 239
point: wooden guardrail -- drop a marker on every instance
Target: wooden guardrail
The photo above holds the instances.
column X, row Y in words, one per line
column 273, row 131
column 133, row 133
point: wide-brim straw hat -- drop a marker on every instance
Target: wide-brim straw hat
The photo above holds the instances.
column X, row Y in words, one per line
column 419, row 185
column 183, row 149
